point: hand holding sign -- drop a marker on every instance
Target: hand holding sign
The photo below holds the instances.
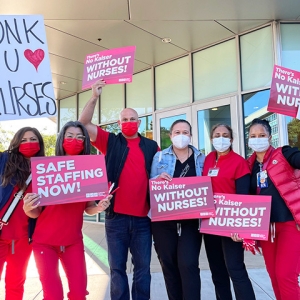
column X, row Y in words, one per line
column 104, row 203
column 64, row 179
column 285, row 92
column 247, row 216
column 181, row 198
column 113, row 66
column 97, row 88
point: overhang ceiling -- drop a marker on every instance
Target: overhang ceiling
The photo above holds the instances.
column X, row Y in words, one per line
column 73, row 28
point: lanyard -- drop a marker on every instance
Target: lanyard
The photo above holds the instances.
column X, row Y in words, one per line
column 263, row 167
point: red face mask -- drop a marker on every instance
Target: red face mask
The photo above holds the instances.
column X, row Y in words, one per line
column 29, row 149
column 73, row 146
column 129, row 128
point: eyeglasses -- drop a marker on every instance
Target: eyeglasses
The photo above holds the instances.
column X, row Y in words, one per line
column 77, row 137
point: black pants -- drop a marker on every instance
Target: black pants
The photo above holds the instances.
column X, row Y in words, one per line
column 179, row 257
column 226, row 259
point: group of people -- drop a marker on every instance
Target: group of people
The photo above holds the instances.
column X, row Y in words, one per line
column 54, row 232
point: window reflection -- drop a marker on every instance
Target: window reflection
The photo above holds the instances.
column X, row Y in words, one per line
column 206, row 120
column 83, row 98
column 256, row 52
column 139, row 92
column 172, row 83
column 165, row 125
column 293, row 126
column 146, row 127
column 290, row 46
column 111, row 102
column 67, row 110
column 255, row 106
column 209, row 67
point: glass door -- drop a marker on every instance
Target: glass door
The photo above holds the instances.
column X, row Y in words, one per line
column 206, row 115
column 203, row 116
column 163, row 122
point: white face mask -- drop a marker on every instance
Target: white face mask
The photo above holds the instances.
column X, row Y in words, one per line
column 221, row 144
column 181, row 141
column 259, row 144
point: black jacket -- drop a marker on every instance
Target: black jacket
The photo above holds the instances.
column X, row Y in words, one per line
column 116, row 155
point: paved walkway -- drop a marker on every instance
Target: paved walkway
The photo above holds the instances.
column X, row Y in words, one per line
column 98, row 272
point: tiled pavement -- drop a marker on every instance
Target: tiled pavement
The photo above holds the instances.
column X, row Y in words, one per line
column 98, row 272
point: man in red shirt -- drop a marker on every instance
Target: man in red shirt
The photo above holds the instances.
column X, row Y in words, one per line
column 128, row 158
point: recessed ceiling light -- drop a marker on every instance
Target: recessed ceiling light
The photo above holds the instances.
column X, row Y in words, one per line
column 215, row 108
column 166, row 40
column 62, row 82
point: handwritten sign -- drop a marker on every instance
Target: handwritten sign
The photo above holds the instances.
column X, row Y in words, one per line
column 181, row 198
column 249, row 216
column 285, row 92
column 114, row 66
column 64, row 179
column 26, row 89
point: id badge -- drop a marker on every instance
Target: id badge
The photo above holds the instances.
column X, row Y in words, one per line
column 213, row 172
column 262, row 181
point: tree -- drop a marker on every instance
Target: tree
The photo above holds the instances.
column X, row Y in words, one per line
column 49, row 141
column 5, row 138
column 165, row 137
column 294, row 133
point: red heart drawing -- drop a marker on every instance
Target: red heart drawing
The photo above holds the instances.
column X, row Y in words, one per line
column 35, row 57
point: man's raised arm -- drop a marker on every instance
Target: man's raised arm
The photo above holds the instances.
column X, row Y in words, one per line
column 87, row 114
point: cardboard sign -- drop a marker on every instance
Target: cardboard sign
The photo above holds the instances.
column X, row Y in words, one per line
column 114, row 66
column 285, row 92
column 67, row 179
column 249, row 216
column 26, row 89
column 181, row 198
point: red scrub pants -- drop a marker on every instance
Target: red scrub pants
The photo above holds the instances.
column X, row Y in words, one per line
column 16, row 254
column 282, row 258
column 73, row 261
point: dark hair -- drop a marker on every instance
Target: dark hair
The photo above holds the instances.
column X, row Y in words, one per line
column 59, row 150
column 180, row 121
column 262, row 122
column 17, row 168
column 219, row 125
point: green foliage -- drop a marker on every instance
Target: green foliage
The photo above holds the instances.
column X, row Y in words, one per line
column 294, row 133
column 49, row 141
column 5, row 138
column 165, row 138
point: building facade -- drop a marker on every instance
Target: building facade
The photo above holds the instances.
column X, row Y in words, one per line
column 226, row 82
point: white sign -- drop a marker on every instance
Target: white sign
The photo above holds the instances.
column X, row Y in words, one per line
column 26, row 89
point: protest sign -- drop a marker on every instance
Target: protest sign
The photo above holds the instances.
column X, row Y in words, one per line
column 249, row 216
column 113, row 66
column 26, row 89
column 181, row 198
column 285, row 92
column 64, row 179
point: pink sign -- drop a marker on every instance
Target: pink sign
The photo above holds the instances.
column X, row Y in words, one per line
column 113, row 66
column 249, row 216
column 64, row 179
column 285, row 92
column 181, row 198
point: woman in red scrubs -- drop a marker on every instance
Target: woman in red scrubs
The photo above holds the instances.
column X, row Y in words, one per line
column 58, row 235
column 230, row 174
column 15, row 249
